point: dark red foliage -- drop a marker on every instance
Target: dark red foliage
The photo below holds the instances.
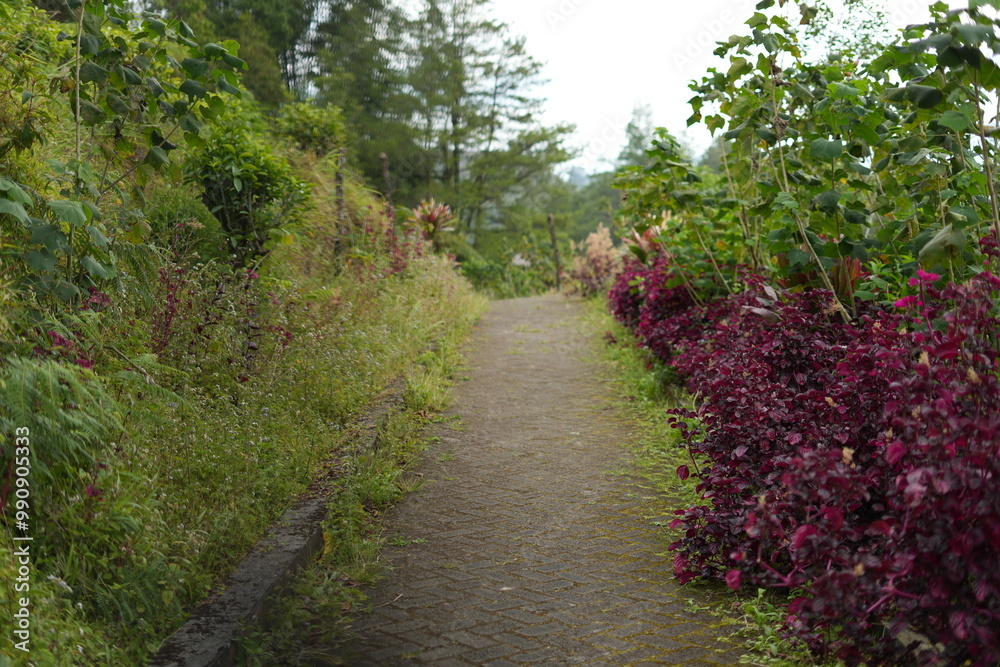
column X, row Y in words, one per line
column 666, row 316
column 989, row 246
column 626, row 294
column 858, row 464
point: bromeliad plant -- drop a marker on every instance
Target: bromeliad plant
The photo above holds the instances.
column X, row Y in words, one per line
column 434, row 219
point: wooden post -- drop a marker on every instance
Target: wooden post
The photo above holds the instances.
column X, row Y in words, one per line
column 341, row 204
column 555, row 250
column 390, row 213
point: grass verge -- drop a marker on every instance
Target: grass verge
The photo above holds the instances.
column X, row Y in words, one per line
column 310, row 623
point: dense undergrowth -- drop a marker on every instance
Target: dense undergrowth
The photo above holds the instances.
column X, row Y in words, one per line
column 828, row 297
column 853, row 466
column 190, row 314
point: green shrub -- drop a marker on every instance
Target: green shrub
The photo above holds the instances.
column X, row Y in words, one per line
column 181, row 225
column 248, row 189
column 312, row 128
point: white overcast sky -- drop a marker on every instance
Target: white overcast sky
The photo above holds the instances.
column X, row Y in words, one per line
column 603, row 57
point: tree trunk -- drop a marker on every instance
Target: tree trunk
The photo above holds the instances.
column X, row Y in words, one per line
column 555, row 250
column 342, row 230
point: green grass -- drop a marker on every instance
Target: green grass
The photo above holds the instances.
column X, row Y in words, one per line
column 647, row 390
column 310, row 624
column 203, row 464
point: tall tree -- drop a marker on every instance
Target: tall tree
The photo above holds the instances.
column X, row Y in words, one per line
column 271, row 35
column 471, row 81
column 638, row 135
column 360, row 66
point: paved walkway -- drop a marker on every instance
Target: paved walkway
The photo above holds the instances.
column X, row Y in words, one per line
column 526, row 548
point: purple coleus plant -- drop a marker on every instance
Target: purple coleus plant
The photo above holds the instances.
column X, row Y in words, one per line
column 855, row 464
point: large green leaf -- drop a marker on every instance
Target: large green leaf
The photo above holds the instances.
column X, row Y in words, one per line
column 92, row 73
column 974, row 33
column 67, row 291
column 14, row 192
column 227, row 87
column 99, row 239
column 233, row 61
column 798, row 258
column 946, row 244
column 738, row 68
column 196, row 67
column 957, row 55
column 825, row 149
column 71, row 212
column 925, row 97
column 90, row 113
column 954, row 120
column 94, row 268
column 14, row 209
column 769, row 136
column 154, row 86
column 193, row 89
column 49, row 236
column 827, row 201
column 41, row 260
column 156, row 157
column 117, row 104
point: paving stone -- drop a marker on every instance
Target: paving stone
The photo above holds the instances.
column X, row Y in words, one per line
column 522, row 547
column 483, row 655
column 689, row 654
column 522, row 643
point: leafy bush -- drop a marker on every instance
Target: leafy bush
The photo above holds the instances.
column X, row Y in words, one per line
column 248, row 189
column 625, row 298
column 521, row 268
column 312, row 128
column 855, row 463
column 182, row 227
column 846, row 432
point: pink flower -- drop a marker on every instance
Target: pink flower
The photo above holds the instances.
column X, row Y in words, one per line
column 908, row 301
column 59, row 341
column 990, row 278
column 924, row 277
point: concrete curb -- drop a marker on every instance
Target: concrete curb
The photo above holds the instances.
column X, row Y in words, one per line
column 207, row 638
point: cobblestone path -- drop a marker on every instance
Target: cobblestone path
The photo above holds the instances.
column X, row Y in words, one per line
column 525, row 547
